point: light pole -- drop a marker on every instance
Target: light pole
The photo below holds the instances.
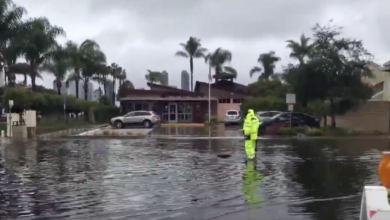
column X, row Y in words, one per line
column 64, row 92
column 10, row 104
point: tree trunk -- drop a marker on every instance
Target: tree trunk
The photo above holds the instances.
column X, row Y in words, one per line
column 33, row 85
column 332, row 114
column 104, row 87
column 76, row 82
column 59, row 85
column 325, row 120
column 25, row 79
column 113, row 91
column 86, row 90
column 192, row 73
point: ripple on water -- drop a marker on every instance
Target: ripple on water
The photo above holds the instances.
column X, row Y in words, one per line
column 180, row 178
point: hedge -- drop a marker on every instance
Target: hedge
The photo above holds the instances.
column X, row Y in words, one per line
column 43, row 102
column 103, row 114
column 317, row 108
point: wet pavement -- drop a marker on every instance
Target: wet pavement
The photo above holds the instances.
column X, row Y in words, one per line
column 161, row 179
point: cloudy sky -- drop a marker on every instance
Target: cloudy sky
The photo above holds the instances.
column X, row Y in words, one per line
column 145, row 34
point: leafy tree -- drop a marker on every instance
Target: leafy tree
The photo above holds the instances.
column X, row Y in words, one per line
column 333, row 71
column 39, row 40
column 269, row 88
column 58, row 65
column 76, row 55
column 192, row 49
column 153, row 76
column 10, row 20
column 268, row 61
column 300, row 50
column 217, row 60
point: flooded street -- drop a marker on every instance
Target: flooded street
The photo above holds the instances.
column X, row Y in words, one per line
column 157, row 178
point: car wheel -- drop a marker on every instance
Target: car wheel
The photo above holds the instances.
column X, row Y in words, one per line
column 147, row 124
column 118, row 124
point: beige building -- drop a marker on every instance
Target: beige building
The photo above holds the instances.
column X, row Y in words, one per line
column 380, row 81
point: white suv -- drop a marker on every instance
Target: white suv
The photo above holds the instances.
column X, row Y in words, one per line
column 233, row 117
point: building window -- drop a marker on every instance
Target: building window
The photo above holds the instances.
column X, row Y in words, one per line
column 138, row 107
column 238, row 100
column 184, row 112
column 224, row 101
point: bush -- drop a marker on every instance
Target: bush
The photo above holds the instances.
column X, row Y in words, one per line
column 213, row 120
column 314, row 132
column 287, row 131
column 267, row 104
column 103, row 114
column 47, row 103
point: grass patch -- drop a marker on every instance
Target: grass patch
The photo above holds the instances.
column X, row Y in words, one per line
column 324, row 131
column 50, row 126
column 53, row 126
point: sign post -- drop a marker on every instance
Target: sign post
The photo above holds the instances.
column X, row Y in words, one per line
column 290, row 100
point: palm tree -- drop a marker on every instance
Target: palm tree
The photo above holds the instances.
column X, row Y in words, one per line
column 217, row 61
column 76, row 53
column 192, row 49
column 268, row 61
column 39, row 40
column 93, row 62
column 116, row 71
column 58, row 64
column 153, row 76
column 300, row 50
column 10, row 17
column 122, row 77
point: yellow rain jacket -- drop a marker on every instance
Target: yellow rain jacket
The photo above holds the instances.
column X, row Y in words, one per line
column 250, row 128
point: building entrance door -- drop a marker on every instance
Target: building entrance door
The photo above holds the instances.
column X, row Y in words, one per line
column 172, row 112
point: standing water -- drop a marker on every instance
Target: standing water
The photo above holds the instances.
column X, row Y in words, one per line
column 159, row 178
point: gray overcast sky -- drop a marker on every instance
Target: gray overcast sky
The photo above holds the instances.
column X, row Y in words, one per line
column 145, row 34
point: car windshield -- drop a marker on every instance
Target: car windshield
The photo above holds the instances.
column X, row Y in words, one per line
column 283, row 115
column 232, row 113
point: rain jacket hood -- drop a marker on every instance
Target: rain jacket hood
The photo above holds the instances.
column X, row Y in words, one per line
column 251, row 113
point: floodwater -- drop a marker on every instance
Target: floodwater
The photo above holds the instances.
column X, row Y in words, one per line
column 161, row 179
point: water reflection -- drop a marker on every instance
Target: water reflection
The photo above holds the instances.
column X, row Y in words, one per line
column 184, row 179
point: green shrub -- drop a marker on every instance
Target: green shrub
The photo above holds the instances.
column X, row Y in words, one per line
column 104, row 113
column 300, row 130
column 44, row 102
column 213, row 120
column 314, row 132
column 267, row 104
column 286, row 131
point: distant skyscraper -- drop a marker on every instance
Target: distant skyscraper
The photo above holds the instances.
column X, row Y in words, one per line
column 185, row 80
column 63, row 87
column 164, row 80
column 72, row 89
column 109, row 89
column 96, row 94
column 90, row 91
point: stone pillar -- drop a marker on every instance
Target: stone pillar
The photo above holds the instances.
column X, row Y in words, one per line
column 19, row 132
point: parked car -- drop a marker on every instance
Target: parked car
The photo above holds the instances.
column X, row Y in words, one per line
column 145, row 118
column 233, row 117
column 272, row 125
column 266, row 115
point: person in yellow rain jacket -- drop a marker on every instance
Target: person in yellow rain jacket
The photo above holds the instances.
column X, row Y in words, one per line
column 249, row 185
column 250, row 128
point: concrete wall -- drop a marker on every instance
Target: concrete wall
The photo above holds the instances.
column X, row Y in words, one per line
column 370, row 116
